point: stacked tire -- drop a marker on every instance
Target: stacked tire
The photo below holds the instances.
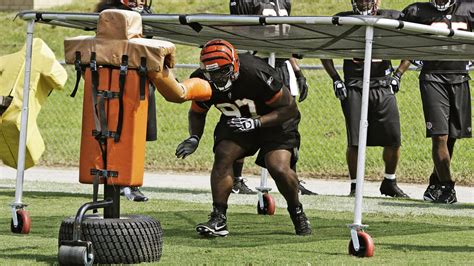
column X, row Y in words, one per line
column 128, row 239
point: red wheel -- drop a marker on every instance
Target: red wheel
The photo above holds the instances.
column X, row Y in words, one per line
column 24, row 222
column 366, row 245
column 268, row 205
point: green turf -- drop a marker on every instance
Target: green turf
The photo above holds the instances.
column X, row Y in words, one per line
column 406, row 232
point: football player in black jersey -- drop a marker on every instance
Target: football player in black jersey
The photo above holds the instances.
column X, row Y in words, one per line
column 444, row 87
column 258, row 114
column 270, row 8
column 141, row 6
column 383, row 116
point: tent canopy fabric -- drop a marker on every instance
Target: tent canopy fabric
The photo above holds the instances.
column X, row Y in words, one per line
column 318, row 36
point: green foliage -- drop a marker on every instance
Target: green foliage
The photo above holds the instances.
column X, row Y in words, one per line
column 322, row 127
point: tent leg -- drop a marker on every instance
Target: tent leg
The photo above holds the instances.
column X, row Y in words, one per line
column 264, row 188
column 24, row 122
column 369, row 34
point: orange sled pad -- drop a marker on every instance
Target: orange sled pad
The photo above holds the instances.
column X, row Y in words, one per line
column 121, row 161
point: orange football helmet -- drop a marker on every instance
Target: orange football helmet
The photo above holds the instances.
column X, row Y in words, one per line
column 220, row 63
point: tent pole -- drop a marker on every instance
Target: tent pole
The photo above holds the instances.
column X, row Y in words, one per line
column 263, row 171
column 24, row 123
column 369, row 34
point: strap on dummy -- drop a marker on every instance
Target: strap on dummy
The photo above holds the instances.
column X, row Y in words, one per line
column 78, row 68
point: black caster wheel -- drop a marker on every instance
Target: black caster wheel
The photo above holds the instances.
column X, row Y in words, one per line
column 268, row 205
column 75, row 255
column 24, row 222
column 366, row 243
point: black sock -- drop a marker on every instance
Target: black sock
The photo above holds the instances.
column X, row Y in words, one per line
column 293, row 210
column 434, row 180
column 220, row 208
column 237, row 168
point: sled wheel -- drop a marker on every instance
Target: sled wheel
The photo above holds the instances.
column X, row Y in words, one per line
column 129, row 239
column 366, row 245
column 268, row 205
column 24, row 222
column 75, row 255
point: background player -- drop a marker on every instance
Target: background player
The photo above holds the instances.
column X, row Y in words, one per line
column 383, row 116
column 444, row 87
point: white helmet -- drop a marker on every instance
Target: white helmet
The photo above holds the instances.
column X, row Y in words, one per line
column 443, row 5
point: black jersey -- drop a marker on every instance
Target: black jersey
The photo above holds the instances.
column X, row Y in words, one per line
column 264, row 8
column 460, row 17
column 257, row 83
column 354, row 68
column 260, row 7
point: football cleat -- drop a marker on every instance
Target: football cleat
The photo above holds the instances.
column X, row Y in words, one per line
column 390, row 188
column 133, row 193
column 303, row 190
column 300, row 221
column 239, row 187
column 432, row 193
column 216, row 226
column 447, row 194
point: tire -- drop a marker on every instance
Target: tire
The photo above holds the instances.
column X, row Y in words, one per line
column 268, row 205
column 130, row 239
column 366, row 245
column 24, row 222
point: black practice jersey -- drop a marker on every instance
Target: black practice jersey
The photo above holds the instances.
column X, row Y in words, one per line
column 257, row 83
column 354, row 68
column 260, row 7
column 459, row 17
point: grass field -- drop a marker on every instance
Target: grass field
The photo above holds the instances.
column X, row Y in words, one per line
column 405, row 232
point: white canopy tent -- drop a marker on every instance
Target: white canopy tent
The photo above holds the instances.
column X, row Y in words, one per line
column 319, row 37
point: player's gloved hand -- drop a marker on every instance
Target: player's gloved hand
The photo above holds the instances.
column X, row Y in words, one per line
column 417, row 63
column 187, row 147
column 340, row 89
column 303, row 88
column 395, row 81
column 302, row 85
column 244, row 124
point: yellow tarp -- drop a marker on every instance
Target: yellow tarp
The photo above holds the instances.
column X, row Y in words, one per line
column 46, row 74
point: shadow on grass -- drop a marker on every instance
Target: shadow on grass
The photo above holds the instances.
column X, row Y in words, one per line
column 45, row 195
column 429, row 248
column 252, row 230
column 45, row 227
column 14, row 254
column 426, row 205
column 174, row 190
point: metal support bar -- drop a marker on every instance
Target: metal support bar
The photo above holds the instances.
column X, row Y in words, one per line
column 24, row 123
column 112, row 193
column 263, row 188
column 355, row 240
column 76, row 232
column 369, row 34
